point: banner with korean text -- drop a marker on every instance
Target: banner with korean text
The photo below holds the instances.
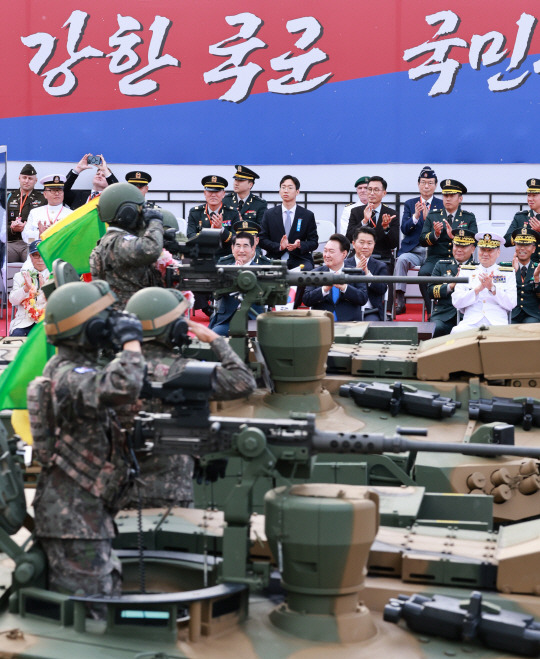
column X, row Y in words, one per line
column 304, row 82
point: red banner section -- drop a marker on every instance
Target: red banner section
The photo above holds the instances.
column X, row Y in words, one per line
column 93, row 56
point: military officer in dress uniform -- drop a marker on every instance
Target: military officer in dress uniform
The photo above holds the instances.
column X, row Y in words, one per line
column 19, row 204
column 248, row 205
column 491, row 290
column 213, row 214
column 140, row 180
column 439, row 227
column 529, row 218
column 444, row 314
column 527, row 271
column 41, row 218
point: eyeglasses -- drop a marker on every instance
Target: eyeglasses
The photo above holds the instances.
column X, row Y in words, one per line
column 374, row 189
column 288, row 187
column 427, row 182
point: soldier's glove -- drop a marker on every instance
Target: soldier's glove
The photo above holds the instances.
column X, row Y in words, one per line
column 151, row 214
column 210, row 472
column 179, row 333
column 169, row 241
column 124, row 327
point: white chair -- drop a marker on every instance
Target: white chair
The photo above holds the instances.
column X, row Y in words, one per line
column 182, row 225
column 324, row 229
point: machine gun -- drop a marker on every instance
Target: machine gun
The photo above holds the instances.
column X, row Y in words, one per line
column 452, row 618
column 269, row 447
column 257, row 284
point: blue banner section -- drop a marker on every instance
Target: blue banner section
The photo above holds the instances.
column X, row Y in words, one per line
column 376, row 120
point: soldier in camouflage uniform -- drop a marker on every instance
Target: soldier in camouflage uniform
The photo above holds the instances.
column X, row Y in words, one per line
column 167, row 480
column 85, row 463
column 126, row 254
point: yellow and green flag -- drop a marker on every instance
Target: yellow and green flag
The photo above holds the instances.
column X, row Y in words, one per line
column 73, row 238
column 28, row 364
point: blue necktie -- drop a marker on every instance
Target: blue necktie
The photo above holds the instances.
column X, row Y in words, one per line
column 335, row 297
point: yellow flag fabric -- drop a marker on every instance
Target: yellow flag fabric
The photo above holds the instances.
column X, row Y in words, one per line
column 73, row 238
column 21, row 425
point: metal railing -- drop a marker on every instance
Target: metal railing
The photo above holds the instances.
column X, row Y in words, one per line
column 328, row 205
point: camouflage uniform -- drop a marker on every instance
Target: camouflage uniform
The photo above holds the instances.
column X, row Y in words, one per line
column 126, row 261
column 80, row 484
column 167, row 480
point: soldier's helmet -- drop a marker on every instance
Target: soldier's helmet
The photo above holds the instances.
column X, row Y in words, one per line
column 120, row 204
column 169, row 220
column 78, row 312
column 158, row 310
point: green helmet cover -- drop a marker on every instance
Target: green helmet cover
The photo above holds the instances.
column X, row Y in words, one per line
column 169, row 219
column 157, row 308
column 72, row 305
column 114, row 197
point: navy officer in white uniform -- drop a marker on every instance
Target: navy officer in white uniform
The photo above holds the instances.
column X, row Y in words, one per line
column 491, row 290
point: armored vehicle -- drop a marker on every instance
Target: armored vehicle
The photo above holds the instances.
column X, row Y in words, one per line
column 292, row 582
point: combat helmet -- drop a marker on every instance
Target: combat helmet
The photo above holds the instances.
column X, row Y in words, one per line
column 169, row 220
column 120, row 204
column 77, row 312
column 158, row 309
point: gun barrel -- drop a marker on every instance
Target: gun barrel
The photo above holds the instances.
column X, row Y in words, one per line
column 318, row 278
column 327, row 442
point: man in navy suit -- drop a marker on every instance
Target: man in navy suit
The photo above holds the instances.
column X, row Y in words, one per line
column 364, row 239
column 411, row 253
column 345, row 301
column 289, row 231
column 243, row 253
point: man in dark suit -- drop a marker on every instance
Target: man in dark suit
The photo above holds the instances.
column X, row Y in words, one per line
column 363, row 245
column 444, row 314
column 345, row 301
column 243, row 253
column 527, row 309
column 411, row 254
column 378, row 216
column 102, row 179
column 289, row 231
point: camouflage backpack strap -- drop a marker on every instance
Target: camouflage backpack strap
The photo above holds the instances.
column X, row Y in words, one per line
column 41, row 413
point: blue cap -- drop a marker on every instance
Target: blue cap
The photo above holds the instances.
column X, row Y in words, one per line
column 33, row 247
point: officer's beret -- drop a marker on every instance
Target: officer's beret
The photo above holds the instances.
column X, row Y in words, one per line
column 28, row 170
